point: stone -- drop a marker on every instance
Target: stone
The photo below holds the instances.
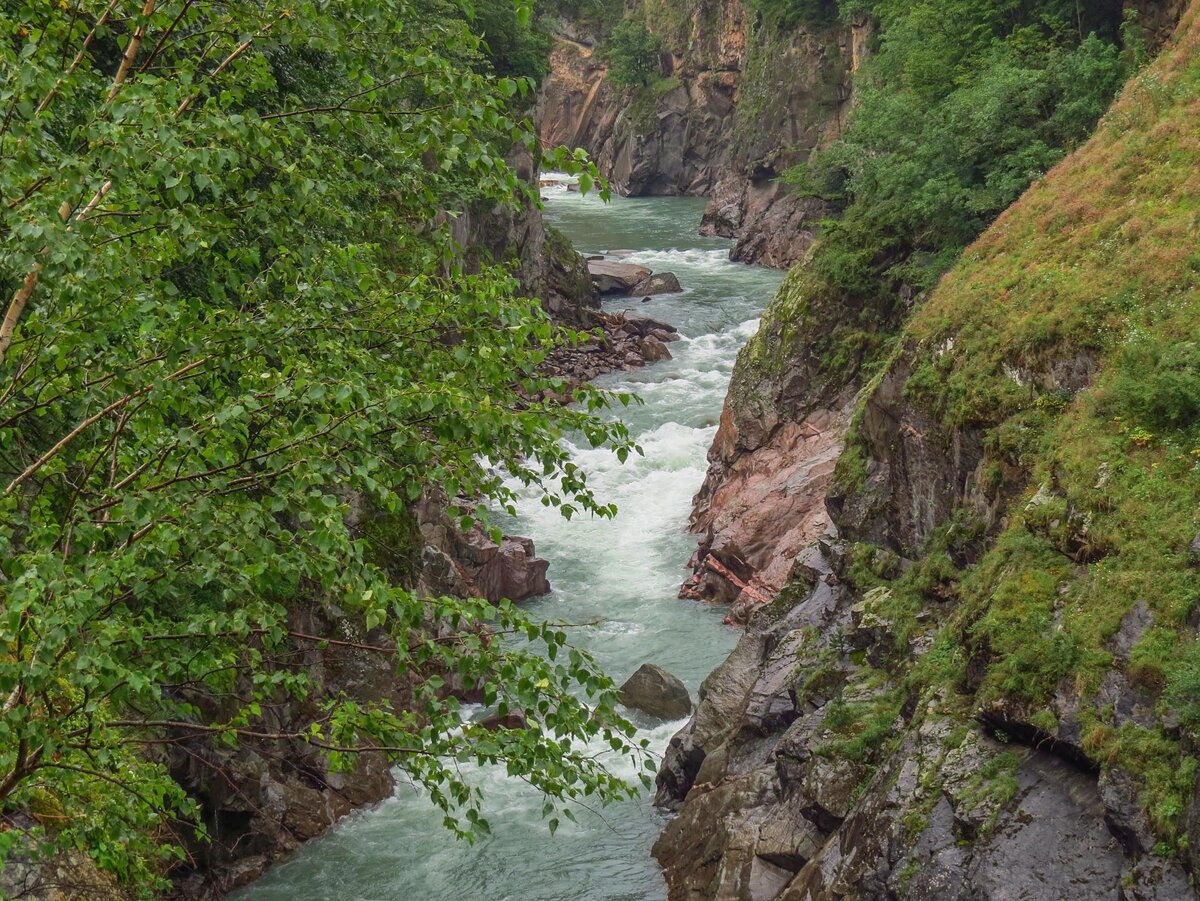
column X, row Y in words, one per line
column 508, row 721
column 654, row 691
column 658, row 283
column 513, row 571
column 616, row 278
column 653, row 350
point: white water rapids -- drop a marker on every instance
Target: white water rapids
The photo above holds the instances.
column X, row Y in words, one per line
column 623, row 573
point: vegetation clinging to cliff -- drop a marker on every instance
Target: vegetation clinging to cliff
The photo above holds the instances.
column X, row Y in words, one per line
column 1064, row 341
column 963, row 105
column 234, row 317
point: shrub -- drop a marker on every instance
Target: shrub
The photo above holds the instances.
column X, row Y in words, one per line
column 1159, row 386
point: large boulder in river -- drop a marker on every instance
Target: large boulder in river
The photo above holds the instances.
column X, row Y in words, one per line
column 654, row 691
column 658, row 283
column 509, row 570
column 616, row 278
column 653, row 350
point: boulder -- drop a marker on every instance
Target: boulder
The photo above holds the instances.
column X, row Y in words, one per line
column 514, row 720
column 616, row 278
column 653, row 350
column 654, row 691
column 658, row 283
column 513, row 570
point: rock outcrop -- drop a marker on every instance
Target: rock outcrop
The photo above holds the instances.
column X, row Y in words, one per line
column 630, row 280
column 547, row 265
column 740, row 101
column 659, row 283
column 263, row 798
column 967, row 686
column 619, row 342
column 616, row 278
column 510, row 570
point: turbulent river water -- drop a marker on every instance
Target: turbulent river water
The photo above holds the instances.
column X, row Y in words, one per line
column 623, row 573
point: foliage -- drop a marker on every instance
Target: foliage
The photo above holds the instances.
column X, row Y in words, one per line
column 961, row 108
column 1062, row 344
column 232, row 316
column 513, row 48
column 798, row 12
column 631, row 52
column 598, row 15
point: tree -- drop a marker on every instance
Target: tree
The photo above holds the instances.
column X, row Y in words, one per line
column 227, row 310
column 632, row 53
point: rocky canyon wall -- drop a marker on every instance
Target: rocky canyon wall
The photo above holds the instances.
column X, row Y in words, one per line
column 965, row 682
column 739, row 101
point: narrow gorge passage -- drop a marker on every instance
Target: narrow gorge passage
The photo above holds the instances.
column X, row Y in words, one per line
column 623, row 573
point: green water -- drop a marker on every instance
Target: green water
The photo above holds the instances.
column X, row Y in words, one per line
column 623, row 572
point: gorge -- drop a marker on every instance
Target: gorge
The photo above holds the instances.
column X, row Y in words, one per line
column 904, row 483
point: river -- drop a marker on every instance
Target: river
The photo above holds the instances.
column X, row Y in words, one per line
column 623, row 572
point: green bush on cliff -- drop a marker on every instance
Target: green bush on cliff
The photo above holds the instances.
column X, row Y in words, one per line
column 234, row 318
column 631, row 52
column 798, row 12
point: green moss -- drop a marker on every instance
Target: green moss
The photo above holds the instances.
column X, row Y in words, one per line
column 644, row 104
column 860, row 727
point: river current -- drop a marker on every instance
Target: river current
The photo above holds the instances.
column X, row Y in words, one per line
column 622, row 573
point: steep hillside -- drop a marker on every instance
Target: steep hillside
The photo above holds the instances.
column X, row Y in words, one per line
column 926, row 161
column 737, row 100
column 986, row 685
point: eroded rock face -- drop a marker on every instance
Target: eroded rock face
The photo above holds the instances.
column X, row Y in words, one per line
column 261, row 800
column 759, row 509
column 817, row 765
column 548, row 266
column 741, row 101
column 651, row 689
column 480, row 568
column 774, row 804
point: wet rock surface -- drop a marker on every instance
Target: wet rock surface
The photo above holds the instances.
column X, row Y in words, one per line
column 769, row 807
column 619, row 342
column 658, row 283
column 616, row 278
column 653, row 690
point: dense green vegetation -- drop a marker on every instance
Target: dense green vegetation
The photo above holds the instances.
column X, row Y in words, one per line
column 232, row 315
column 1096, row 263
column 631, row 52
column 959, row 109
column 798, row 12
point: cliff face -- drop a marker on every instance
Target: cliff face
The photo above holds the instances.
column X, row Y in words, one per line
column 980, row 682
column 739, row 102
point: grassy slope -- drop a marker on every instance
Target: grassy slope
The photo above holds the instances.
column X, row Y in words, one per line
column 1101, row 258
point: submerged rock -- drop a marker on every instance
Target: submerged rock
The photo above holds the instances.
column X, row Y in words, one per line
column 654, row 691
